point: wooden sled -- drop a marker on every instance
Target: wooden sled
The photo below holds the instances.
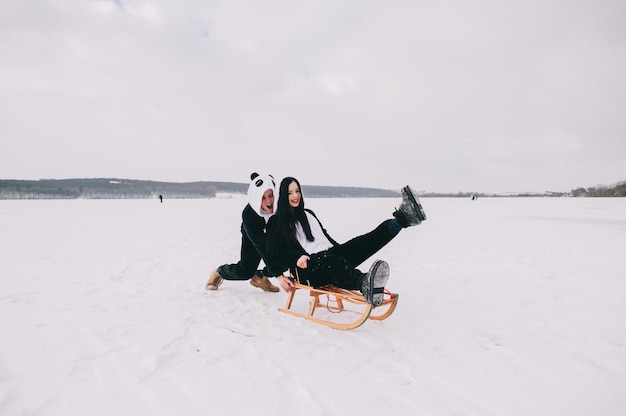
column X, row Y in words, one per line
column 336, row 300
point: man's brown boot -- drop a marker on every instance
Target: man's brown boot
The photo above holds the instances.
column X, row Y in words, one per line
column 215, row 280
column 263, row 283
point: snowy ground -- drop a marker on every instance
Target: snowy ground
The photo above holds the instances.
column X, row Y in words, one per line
column 507, row 307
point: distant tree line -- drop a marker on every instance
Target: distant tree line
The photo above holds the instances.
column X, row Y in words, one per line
column 109, row 188
column 617, row 190
column 102, row 189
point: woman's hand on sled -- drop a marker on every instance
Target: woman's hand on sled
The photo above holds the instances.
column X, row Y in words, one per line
column 286, row 283
column 303, row 261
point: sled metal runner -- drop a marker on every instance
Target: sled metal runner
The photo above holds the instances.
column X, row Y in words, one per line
column 337, row 301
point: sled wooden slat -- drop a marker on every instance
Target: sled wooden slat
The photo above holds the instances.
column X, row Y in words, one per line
column 336, row 300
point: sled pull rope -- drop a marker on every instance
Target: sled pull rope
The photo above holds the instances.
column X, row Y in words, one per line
column 328, row 300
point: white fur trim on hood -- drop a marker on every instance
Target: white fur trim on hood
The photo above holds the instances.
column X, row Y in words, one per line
column 258, row 185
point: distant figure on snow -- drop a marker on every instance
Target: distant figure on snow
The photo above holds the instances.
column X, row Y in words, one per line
column 161, row 198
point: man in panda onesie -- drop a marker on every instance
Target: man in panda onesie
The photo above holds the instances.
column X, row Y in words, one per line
column 254, row 219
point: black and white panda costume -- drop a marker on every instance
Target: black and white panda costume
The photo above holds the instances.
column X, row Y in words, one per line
column 253, row 228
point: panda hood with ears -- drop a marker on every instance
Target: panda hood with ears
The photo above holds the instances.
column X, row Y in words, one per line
column 258, row 186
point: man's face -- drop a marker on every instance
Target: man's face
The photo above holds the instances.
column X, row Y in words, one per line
column 267, row 203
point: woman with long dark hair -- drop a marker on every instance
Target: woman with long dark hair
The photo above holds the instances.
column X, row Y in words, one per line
column 297, row 240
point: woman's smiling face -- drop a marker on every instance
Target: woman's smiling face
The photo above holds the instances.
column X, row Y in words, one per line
column 294, row 195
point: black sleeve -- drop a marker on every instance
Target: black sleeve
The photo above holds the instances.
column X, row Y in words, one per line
column 285, row 254
column 254, row 228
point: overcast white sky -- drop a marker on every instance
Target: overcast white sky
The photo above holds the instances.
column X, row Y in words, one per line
column 486, row 96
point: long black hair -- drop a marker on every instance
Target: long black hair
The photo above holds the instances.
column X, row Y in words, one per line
column 282, row 229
